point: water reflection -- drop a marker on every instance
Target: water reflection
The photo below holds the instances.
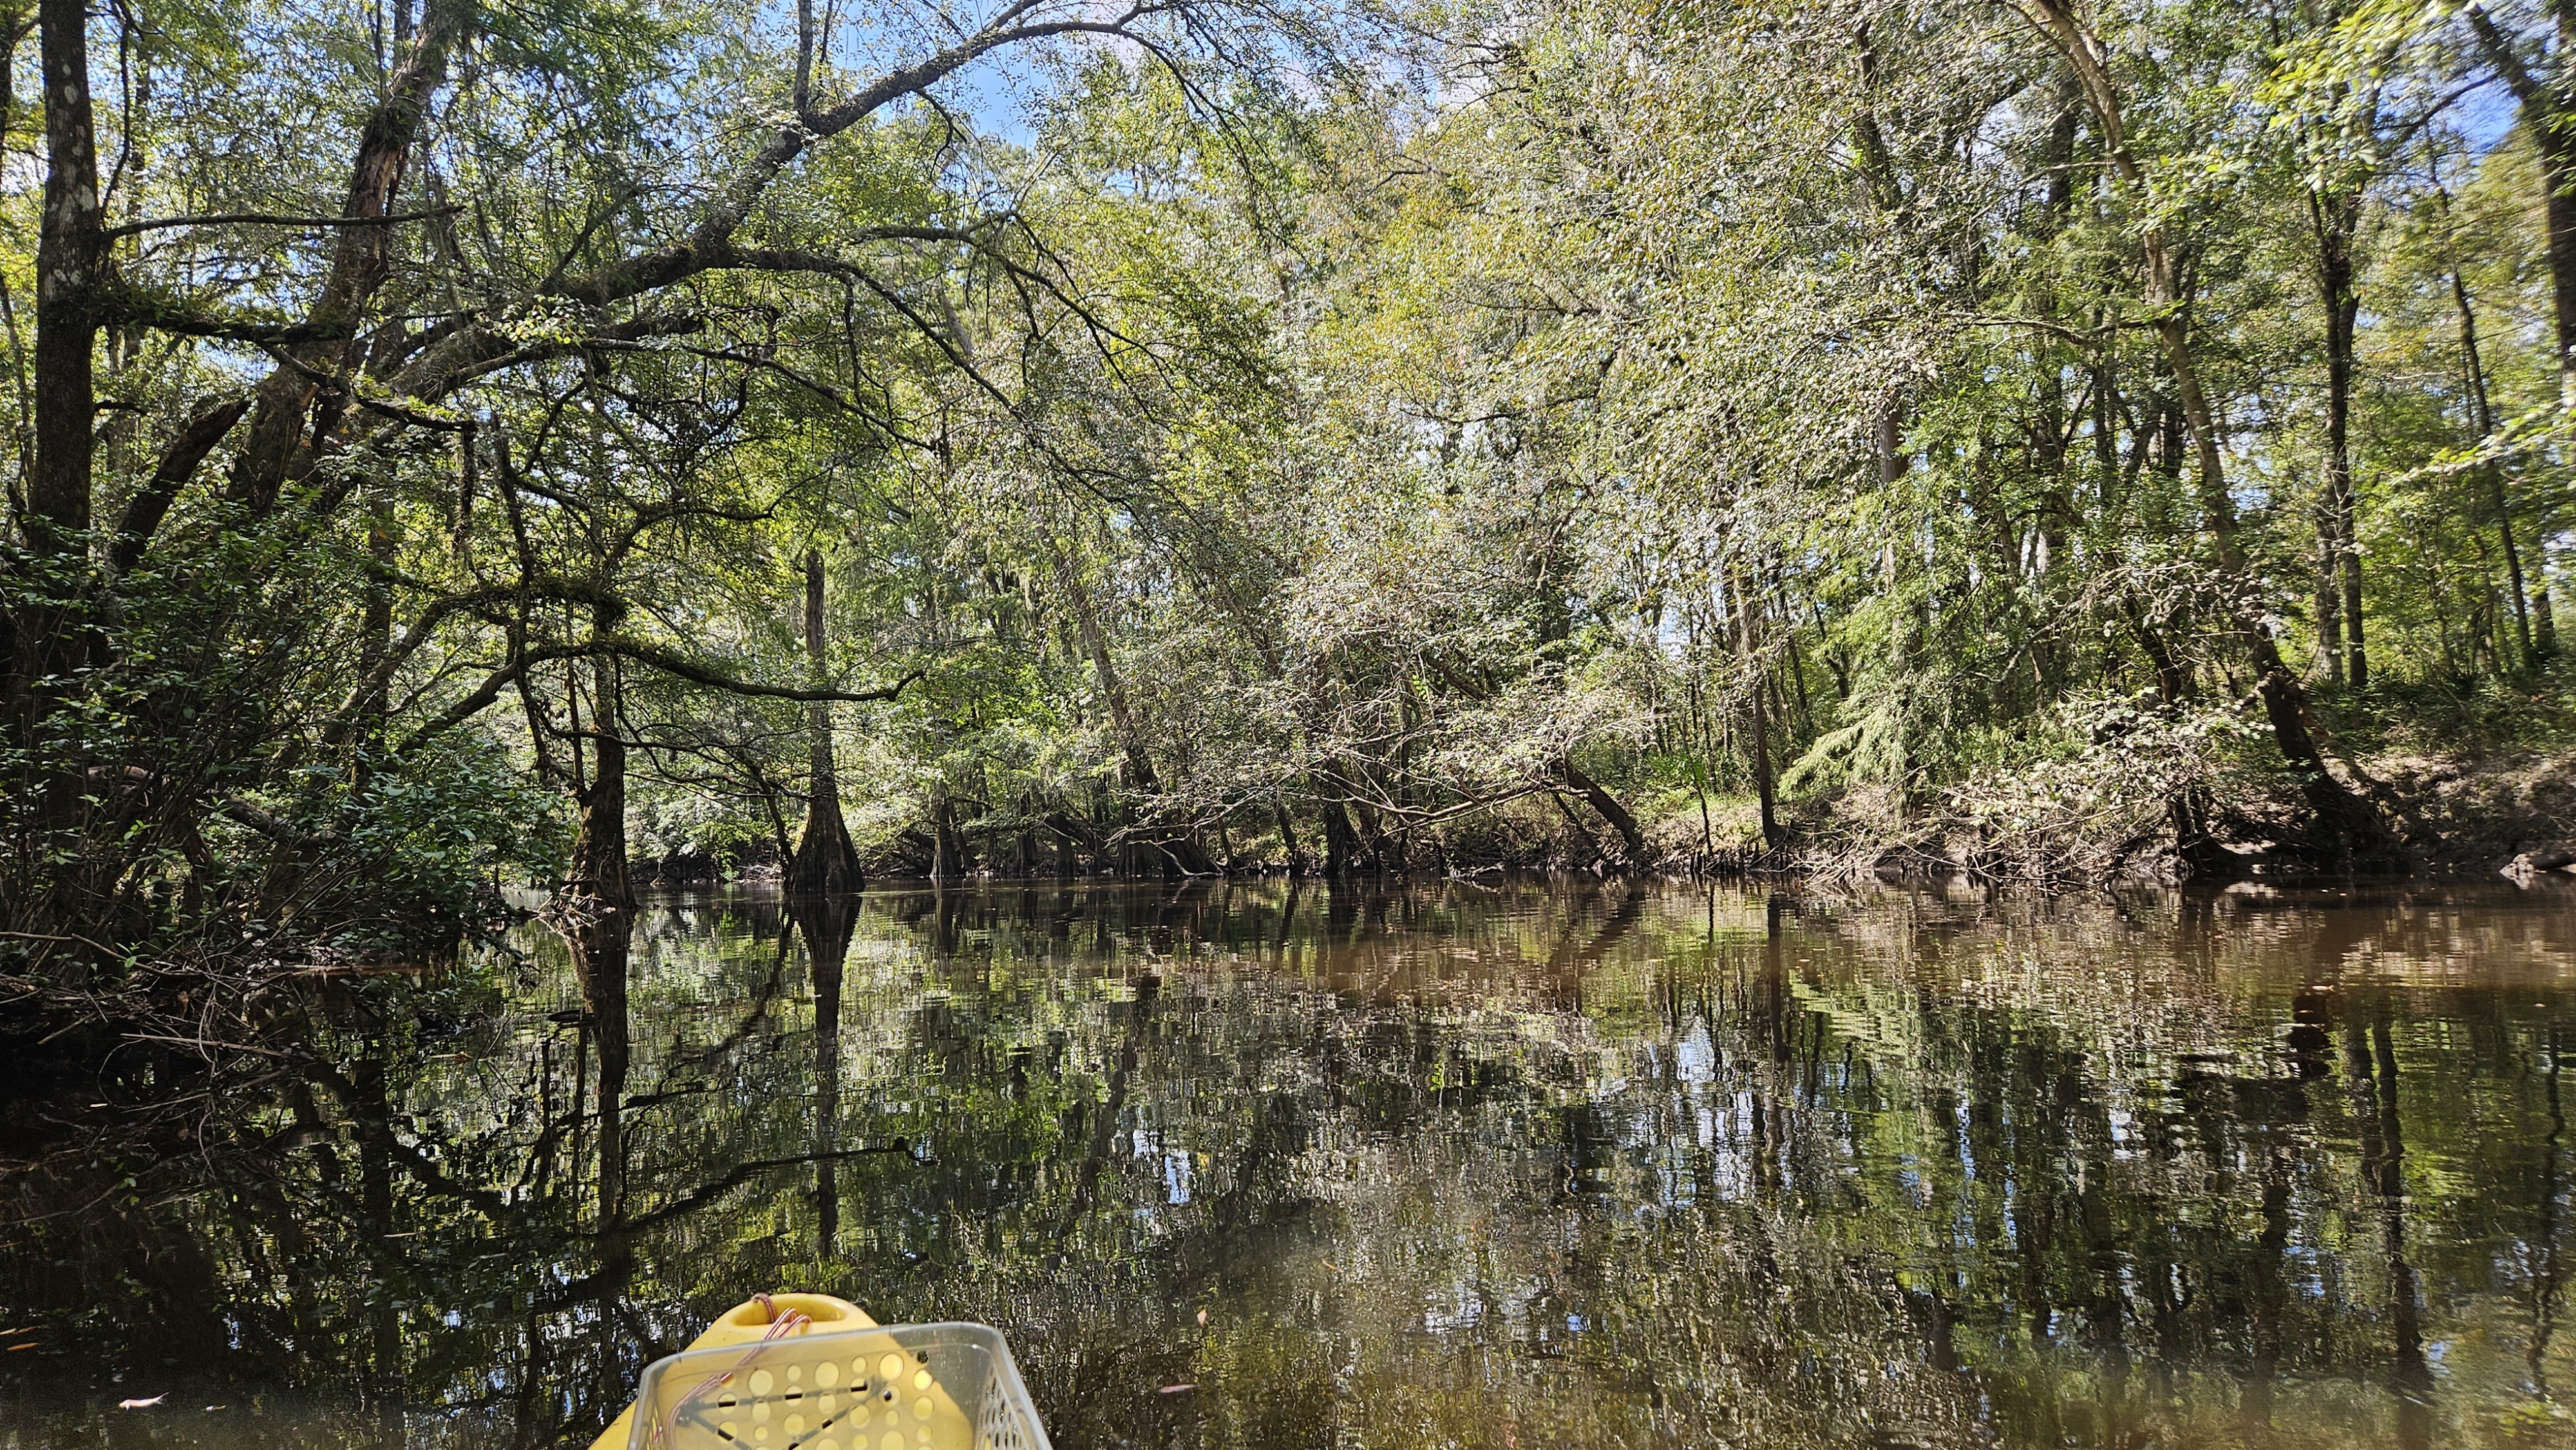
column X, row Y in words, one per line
column 1488, row 1165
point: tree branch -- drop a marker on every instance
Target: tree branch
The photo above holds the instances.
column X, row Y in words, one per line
column 178, row 464
column 2508, row 63
column 486, row 694
column 262, row 218
column 712, row 238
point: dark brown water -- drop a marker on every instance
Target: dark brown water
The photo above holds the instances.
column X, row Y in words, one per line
column 1473, row 1165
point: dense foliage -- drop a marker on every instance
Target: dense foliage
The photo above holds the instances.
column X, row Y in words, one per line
column 453, row 444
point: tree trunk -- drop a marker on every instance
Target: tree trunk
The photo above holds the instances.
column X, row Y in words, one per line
column 71, row 256
column 1631, row 838
column 2329, row 593
column 179, row 461
column 1374, row 853
column 71, row 253
column 1701, row 750
column 2558, row 167
column 598, row 870
column 947, row 853
column 1765, row 787
column 2332, row 217
column 1140, row 767
column 2544, row 119
column 1288, row 840
column 2362, row 837
column 2482, row 418
column 1748, row 653
column 1584, row 842
column 825, row 863
column 1341, row 843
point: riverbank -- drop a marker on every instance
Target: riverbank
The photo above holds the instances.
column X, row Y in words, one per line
column 2510, row 812
column 2059, row 824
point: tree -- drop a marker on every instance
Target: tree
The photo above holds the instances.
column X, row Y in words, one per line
column 585, row 327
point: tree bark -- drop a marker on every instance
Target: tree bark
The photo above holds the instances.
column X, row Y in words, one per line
column 826, row 862
column 1765, row 786
column 1374, row 847
column 2558, row 167
column 71, row 257
column 1113, row 690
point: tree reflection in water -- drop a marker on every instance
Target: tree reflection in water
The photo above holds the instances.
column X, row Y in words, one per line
column 1485, row 1165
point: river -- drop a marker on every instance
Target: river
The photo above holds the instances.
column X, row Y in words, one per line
column 1482, row 1164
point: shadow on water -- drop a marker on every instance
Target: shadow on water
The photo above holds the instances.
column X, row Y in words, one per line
column 1281, row 1165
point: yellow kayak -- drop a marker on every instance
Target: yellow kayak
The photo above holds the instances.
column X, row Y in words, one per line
column 811, row 1372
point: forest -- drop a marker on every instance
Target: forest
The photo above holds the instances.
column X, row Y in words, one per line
column 586, row 444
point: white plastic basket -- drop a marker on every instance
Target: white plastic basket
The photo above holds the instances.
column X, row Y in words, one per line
column 895, row 1387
